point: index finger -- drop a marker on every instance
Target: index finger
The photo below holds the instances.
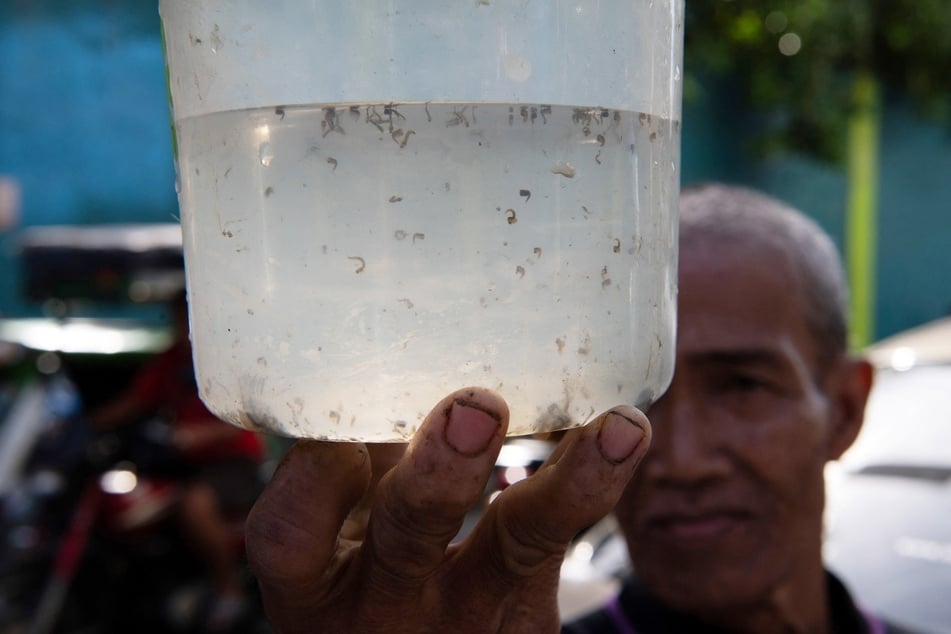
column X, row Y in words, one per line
column 291, row 533
column 528, row 528
column 422, row 502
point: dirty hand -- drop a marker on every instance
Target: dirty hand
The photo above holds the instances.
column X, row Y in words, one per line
column 403, row 575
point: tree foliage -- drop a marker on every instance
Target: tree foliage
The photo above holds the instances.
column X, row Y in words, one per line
column 795, row 60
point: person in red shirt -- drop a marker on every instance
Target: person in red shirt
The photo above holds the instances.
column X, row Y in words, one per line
column 218, row 462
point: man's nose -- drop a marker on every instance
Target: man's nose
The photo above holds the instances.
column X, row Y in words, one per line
column 686, row 446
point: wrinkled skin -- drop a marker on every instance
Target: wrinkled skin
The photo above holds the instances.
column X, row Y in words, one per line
column 320, row 571
column 724, row 518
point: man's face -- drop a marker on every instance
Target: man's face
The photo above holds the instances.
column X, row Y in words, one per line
column 726, row 508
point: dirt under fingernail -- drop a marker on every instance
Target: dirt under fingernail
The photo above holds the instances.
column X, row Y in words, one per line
column 619, row 437
column 471, row 427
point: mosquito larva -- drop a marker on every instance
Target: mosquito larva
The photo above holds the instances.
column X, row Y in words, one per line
column 361, row 263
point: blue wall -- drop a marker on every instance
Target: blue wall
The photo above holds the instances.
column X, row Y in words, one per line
column 83, row 118
column 83, row 111
column 915, row 221
column 84, row 129
column 914, row 215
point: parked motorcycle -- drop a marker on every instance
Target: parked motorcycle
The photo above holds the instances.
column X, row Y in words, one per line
column 92, row 544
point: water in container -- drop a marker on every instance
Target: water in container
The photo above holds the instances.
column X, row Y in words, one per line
column 371, row 223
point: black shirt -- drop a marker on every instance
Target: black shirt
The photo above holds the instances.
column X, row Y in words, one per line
column 635, row 611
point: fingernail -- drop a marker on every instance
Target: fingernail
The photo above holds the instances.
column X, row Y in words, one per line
column 471, row 427
column 619, row 437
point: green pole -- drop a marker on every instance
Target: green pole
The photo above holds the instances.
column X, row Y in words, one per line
column 862, row 212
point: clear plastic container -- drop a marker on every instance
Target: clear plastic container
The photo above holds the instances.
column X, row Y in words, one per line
column 386, row 201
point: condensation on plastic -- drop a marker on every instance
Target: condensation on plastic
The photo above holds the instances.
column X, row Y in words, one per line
column 239, row 54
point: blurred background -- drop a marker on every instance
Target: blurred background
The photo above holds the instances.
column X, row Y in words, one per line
column 840, row 107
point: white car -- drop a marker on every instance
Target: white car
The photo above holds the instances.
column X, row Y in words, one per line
column 888, row 508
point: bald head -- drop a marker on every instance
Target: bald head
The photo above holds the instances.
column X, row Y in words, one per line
column 731, row 218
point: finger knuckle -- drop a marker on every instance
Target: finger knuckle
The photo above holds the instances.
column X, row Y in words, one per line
column 525, row 547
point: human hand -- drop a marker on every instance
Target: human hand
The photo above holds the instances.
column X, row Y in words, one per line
column 404, row 575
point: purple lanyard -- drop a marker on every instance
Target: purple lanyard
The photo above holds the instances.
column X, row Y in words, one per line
column 875, row 625
column 617, row 616
column 616, row 613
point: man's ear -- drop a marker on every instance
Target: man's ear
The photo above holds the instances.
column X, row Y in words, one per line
column 848, row 394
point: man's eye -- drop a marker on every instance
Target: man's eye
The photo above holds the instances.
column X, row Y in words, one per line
column 744, row 383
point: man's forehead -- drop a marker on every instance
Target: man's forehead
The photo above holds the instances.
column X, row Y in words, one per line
column 747, row 353
column 741, row 273
column 739, row 250
column 747, row 300
column 738, row 332
column 745, row 305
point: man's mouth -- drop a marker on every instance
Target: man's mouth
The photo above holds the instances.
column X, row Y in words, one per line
column 697, row 527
